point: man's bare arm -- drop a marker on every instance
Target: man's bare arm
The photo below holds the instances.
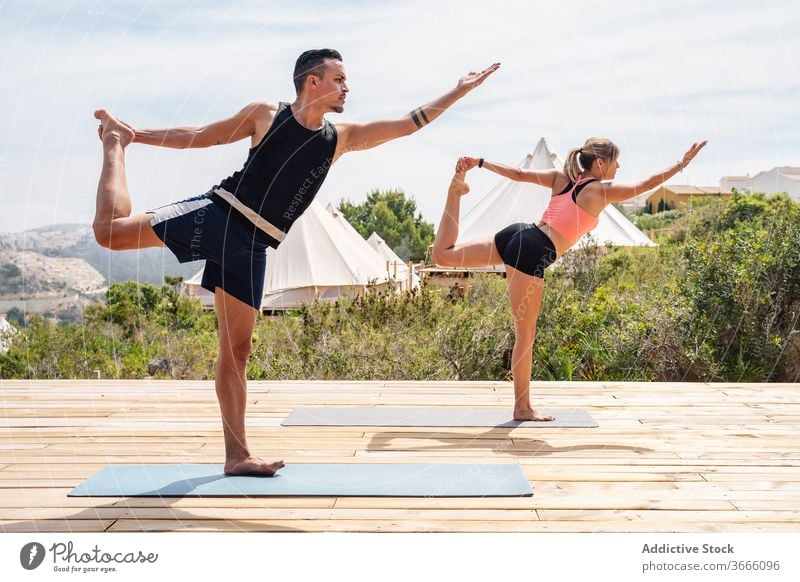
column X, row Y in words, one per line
column 242, row 125
column 362, row 136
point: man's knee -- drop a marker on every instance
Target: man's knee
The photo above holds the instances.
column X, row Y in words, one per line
column 103, row 234
column 121, row 235
column 442, row 257
column 238, row 350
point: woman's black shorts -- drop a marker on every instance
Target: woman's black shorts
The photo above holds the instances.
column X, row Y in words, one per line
column 526, row 248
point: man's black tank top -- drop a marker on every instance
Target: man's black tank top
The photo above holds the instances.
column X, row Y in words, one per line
column 284, row 172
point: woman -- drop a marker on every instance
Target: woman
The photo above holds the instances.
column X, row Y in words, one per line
column 579, row 195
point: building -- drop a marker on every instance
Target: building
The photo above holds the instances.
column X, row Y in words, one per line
column 670, row 196
column 779, row 179
column 741, row 184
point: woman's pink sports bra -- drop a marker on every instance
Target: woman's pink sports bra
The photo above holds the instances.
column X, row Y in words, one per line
column 565, row 216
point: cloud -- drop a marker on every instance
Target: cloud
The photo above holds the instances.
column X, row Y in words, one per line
column 652, row 76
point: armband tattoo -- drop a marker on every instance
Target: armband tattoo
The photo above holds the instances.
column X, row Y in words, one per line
column 416, row 115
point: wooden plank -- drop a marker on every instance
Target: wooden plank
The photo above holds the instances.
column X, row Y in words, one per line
column 544, row 501
column 55, row 525
column 55, row 497
column 670, row 516
column 772, row 502
column 444, row 526
column 268, row 513
column 666, row 456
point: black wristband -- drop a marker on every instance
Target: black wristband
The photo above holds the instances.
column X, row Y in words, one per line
column 480, row 163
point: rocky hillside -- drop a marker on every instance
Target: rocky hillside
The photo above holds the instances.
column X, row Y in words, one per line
column 76, row 241
column 34, row 274
column 60, row 268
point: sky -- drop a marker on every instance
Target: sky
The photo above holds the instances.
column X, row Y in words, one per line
column 652, row 76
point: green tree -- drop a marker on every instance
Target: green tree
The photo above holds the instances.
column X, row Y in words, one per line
column 10, row 270
column 16, row 315
column 10, row 279
column 395, row 218
column 742, row 279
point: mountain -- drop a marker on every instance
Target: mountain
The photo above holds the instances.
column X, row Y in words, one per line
column 76, row 241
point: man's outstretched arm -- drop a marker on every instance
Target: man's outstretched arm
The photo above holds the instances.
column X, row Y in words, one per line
column 240, row 126
column 362, row 136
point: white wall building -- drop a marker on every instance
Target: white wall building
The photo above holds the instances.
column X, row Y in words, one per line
column 778, row 179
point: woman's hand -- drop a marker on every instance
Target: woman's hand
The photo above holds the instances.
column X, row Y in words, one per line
column 693, row 151
column 465, row 163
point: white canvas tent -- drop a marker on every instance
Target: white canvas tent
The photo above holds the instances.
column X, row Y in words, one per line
column 191, row 288
column 339, row 217
column 510, row 202
column 320, row 258
column 397, row 268
column 394, row 265
column 7, row 331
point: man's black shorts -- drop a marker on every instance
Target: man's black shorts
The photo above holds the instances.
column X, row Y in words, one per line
column 201, row 229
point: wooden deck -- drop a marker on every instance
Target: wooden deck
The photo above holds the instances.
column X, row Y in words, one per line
column 667, row 457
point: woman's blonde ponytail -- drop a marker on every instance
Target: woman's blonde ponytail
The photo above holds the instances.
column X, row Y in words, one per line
column 579, row 160
column 572, row 165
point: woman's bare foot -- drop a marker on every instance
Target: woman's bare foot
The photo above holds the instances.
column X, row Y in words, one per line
column 253, row 467
column 458, row 187
column 112, row 128
column 531, row 414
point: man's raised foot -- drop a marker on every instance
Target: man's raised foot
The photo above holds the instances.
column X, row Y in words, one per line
column 112, row 130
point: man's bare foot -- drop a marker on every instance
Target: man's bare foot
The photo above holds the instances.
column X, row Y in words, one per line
column 112, row 128
column 253, row 467
column 531, row 414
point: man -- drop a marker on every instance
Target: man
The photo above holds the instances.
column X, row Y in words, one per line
column 293, row 146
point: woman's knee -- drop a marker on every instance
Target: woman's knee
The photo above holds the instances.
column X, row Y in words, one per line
column 525, row 332
column 525, row 339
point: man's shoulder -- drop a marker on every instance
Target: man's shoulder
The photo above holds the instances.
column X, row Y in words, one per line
column 262, row 109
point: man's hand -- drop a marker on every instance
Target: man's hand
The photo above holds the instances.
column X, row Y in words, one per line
column 472, row 79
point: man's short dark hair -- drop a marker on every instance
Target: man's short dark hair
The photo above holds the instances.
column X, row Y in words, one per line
column 309, row 63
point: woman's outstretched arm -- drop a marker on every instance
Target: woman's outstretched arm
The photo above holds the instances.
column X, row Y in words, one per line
column 620, row 192
column 541, row 177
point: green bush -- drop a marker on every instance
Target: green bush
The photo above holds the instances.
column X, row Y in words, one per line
column 742, row 279
column 719, row 299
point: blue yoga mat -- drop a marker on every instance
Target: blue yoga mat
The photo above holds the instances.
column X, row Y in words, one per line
column 318, row 479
